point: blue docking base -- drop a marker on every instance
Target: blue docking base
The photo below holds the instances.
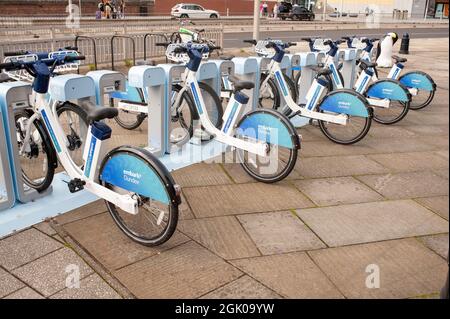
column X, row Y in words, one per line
column 58, row 202
column 61, row 200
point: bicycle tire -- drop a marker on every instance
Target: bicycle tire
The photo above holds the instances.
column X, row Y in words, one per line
column 164, row 180
column 140, row 117
column 81, row 113
column 47, row 149
column 293, row 152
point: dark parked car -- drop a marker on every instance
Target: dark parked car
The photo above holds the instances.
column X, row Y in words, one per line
column 295, row 12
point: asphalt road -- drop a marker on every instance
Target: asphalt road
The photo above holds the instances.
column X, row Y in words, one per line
column 234, row 40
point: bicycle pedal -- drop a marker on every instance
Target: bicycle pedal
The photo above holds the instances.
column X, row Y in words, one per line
column 76, row 185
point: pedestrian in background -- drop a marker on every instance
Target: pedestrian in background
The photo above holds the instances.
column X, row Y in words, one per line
column 265, row 9
column 275, row 10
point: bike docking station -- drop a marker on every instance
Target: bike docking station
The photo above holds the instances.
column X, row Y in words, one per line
column 107, row 83
column 158, row 81
column 348, row 58
column 7, row 195
column 294, row 64
column 25, row 206
column 226, row 69
column 247, row 70
column 308, row 60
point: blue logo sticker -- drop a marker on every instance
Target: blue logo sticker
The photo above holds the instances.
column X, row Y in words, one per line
column 387, row 89
column 230, row 118
column 135, row 176
column 281, row 82
column 87, row 171
column 417, row 81
column 345, row 103
column 196, row 98
column 51, row 132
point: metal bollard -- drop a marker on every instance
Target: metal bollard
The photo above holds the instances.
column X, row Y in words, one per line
column 404, row 47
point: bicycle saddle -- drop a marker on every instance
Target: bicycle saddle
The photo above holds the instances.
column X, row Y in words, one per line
column 321, row 71
column 199, row 30
column 366, row 64
column 399, row 59
column 227, row 57
column 241, row 85
column 98, row 113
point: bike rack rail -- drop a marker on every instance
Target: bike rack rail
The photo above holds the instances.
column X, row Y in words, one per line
column 166, row 39
column 94, row 47
column 133, row 42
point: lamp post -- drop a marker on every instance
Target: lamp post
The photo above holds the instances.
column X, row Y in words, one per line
column 256, row 20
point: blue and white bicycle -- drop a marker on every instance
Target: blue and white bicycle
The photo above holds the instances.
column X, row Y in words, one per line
column 389, row 98
column 265, row 141
column 139, row 192
column 420, row 84
column 344, row 116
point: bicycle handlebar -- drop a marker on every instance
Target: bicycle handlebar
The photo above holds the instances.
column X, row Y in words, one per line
column 8, row 54
column 254, row 42
column 17, row 65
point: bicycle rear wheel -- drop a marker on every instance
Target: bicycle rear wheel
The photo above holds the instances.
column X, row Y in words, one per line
column 38, row 161
column 137, row 173
column 396, row 112
column 282, row 140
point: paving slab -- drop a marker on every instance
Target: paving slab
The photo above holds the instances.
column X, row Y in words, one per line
column 8, row 283
column 91, row 287
column 222, row 235
column 428, row 130
column 279, row 232
column 244, row 198
column 442, row 172
column 243, row 288
column 24, row 293
column 239, row 176
column 291, row 275
column 311, row 133
column 201, row 175
column 437, row 243
column 107, row 244
column 441, row 142
column 444, row 154
column 187, row 271
column 45, row 228
column 184, row 210
column 48, row 274
column 91, row 209
column 336, row 166
column 439, row 205
column 326, row 148
column 400, row 145
column 406, row 268
column 369, row 222
column 26, row 246
column 407, row 185
column 410, row 162
column 336, row 191
column 387, row 132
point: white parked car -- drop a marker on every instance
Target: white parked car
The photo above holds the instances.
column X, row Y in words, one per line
column 193, row 11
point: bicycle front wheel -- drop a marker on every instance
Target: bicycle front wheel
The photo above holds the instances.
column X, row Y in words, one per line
column 129, row 120
column 73, row 120
column 137, row 173
column 282, row 142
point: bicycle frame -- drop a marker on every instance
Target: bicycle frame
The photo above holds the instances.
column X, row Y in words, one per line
column 231, row 116
column 312, row 98
column 394, row 73
column 91, row 154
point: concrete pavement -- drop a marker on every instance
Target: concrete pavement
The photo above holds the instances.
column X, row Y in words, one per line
column 346, row 211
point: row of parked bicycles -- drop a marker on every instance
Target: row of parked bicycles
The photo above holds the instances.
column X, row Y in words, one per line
column 139, row 191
